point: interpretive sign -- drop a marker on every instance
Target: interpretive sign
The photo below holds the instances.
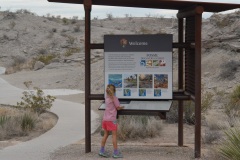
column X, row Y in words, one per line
column 140, row 66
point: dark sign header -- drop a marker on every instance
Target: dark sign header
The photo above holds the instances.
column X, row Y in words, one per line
column 142, row 43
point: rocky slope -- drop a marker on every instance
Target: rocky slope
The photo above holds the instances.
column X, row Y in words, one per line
column 26, row 39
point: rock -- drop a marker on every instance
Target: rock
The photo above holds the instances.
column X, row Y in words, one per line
column 38, row 65
column 215, row 33
column 206, row 73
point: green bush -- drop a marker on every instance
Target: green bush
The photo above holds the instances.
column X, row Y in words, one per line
column 46, row 59
column 70, row 51
column 35, row 100
column 230, row 149
column 65, row 21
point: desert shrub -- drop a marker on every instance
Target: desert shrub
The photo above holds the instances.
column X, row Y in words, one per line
column 12, row 24
column 144, row 30
column 207, row 101
column 54, row 29
column 220, row 95
column 70, row 40
column 211, row 136
column 77, row 28
column 74, row 19
column 189, row 110
column 28, row 122
column 18, row 60
column 17, row 64
column 222, row 22
column 35, row 100
column 188, row 113
column 109, row 16
column 231, row 108
column 70, row 51
column 24, row 11
column 95, row 18
column 65, row 21
column 134, row 127
column 50, row 35
column 46, row 59
column 212, row 131
column 229, row 69
column 9, row 15
column 172, row 115
column 42, row 51
column 230, row 147
column 189, row 106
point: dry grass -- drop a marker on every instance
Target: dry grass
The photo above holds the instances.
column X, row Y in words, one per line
column 135, row 127
column 45, row 122
column 22, row 124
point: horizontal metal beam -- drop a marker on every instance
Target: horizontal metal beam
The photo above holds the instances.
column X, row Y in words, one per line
column 161, row 114
column 177, row 95
column 159, row 4
column 175, row 45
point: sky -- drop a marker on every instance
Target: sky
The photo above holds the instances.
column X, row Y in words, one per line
column 43, row 7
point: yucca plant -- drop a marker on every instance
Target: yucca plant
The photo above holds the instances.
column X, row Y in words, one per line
column 28, row 122
column 232, row 109
column 230, row 149
column 3, row 119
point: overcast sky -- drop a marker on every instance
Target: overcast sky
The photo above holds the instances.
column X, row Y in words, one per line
column 43, row 7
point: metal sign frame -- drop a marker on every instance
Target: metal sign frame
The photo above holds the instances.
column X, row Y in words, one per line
column 189, row 55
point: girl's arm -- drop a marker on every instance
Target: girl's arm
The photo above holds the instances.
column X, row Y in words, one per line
column 120, row 107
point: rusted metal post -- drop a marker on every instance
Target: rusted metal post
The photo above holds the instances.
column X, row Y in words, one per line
column 198, row 29
column 87, row 8
column 180, row 82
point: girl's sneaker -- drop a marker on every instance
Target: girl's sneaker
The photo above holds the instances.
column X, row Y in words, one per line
column 104, row 154
column 119, row 155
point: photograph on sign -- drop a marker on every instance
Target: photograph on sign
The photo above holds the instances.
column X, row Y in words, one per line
column 139, row 66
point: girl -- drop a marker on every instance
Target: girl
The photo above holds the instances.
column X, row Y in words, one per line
column 109, row 122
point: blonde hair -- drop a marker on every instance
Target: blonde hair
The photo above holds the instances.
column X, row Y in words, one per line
column 110, row 90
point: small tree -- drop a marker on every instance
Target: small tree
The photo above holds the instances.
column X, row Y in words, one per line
column 35, row 100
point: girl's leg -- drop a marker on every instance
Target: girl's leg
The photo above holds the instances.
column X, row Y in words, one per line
column 116, row 153
column 104, row 139
column 114, row 139
column 102, row 150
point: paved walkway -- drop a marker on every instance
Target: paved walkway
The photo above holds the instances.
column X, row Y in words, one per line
column 69, row 128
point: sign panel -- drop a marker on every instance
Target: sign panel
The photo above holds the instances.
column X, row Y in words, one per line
column 140, row 66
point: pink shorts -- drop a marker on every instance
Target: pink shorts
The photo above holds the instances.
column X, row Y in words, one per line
column 109, row 125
